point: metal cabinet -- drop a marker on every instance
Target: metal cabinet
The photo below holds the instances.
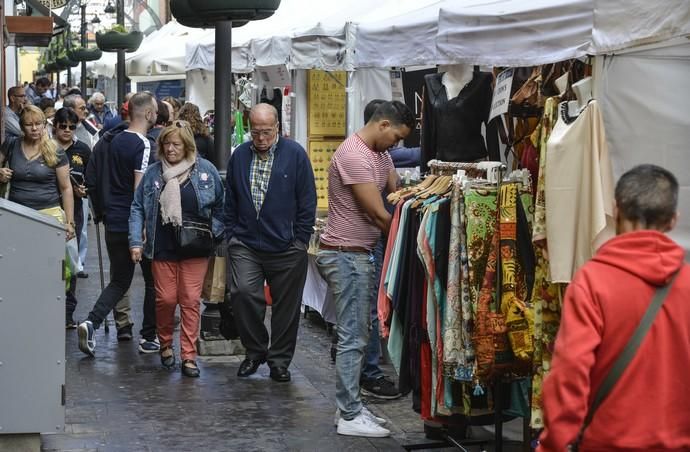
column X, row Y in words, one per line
column 32, row 321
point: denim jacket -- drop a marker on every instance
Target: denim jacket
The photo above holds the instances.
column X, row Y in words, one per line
column 210, row 194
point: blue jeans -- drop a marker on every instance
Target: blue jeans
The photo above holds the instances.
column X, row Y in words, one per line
column 350, row 276
column 371, row 369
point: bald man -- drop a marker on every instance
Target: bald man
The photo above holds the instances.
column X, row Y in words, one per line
column 270, row 208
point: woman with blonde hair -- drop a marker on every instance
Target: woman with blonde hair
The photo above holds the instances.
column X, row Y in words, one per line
column 180, row 192
column 202, row 138
column 37, row 172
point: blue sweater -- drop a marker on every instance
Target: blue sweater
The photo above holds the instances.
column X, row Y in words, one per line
column 289, row 209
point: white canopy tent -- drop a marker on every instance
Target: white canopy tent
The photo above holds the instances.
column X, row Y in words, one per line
column 642, row 62
column 160, row 55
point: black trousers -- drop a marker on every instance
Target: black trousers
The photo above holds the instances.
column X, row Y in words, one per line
column 286, row 273
column 121, row 274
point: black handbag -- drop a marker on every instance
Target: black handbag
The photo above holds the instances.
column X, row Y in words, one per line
column 194, row 239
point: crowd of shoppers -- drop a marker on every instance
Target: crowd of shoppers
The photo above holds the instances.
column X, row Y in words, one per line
column 146, row 174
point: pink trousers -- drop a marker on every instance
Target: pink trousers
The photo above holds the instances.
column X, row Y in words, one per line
column 179, row 283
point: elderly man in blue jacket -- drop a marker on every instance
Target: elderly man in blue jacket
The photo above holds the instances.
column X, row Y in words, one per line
column 270, row 209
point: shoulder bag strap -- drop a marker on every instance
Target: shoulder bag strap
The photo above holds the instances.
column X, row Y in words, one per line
column 627, row 354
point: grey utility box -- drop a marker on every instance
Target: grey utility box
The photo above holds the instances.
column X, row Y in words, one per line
column 32, row 321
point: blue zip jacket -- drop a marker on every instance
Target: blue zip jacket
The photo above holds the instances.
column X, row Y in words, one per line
column 288, row 212
column 144, row 212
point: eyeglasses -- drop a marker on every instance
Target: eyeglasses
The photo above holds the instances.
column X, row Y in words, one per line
column 67, row 126
column 262, row 133
column 34, row 124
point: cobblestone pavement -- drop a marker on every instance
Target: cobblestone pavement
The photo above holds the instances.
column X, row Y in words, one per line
column 125, row 401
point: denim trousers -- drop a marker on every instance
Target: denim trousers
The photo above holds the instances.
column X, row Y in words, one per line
column 350, row 276
column 371, row 369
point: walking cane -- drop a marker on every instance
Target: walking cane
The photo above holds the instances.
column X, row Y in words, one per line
column 100, row 269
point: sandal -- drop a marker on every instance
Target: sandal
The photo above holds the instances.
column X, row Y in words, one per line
column 190, row 369
column 167, row 357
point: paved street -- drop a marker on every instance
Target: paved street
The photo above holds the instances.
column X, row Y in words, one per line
column 125, row 401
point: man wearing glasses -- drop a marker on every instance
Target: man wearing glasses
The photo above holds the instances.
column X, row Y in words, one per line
column 16, row 100
column 86, row 132
column 270, row 210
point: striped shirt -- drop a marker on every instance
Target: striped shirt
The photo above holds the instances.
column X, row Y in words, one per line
column 353, row 163
column 260, row 176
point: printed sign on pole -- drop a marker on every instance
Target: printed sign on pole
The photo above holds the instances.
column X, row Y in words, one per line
column 501, row 98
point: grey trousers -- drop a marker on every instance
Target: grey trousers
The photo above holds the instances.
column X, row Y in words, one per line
column 285, row 273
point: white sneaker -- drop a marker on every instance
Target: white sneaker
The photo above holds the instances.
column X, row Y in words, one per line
column 361, row 426
column 366, row 412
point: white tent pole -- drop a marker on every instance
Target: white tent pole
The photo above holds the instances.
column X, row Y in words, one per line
column 349, row 104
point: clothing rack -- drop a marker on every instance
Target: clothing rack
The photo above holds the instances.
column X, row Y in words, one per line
column 495, row 173
column 474, row 169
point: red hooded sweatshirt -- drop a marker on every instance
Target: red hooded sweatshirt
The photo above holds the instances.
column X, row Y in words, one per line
column 648, row 409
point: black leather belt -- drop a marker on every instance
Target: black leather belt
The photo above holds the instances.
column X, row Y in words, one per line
column 347, row 249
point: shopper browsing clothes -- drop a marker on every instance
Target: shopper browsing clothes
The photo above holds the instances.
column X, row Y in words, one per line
column 361, row 169
column 180, row 190
column 648, row 404
column 128, row 157
column 270, row 210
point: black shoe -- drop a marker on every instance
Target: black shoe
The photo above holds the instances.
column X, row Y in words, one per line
column 381, row 388
column 124, row 334
column 82, row 274
column 70, row 324
column 249, row 366
column 280, row 374
column 167, row 357
column 190, row 370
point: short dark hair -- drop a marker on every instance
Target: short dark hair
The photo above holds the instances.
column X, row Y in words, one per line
column 65, row 115
column 139, row 101
column 76, row 91
column 13, row 91
column 648, row 195
column 45, row 102
column 371, row 108
column 396, row 112
column 43, row 81
column 163, row 114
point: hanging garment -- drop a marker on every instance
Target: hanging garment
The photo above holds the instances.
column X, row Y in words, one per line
column 579, row 190
column 451, row 128
column 546, row 296
column 519, row 319
column 458, row 353
column 480, row 215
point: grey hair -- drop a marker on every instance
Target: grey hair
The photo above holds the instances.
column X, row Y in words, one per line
column 648, row 195
column 265, row 107
column 97, row 96
column 70, row 101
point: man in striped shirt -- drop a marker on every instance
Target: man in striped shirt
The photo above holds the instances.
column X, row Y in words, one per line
column 360, row 170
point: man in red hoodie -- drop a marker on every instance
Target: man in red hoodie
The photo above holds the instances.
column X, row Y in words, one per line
column 648, row 409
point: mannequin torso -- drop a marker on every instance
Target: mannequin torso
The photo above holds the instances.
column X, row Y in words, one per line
column 583, row 92
column 455, row 78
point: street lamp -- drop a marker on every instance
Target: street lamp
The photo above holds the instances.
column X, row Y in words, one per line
column 96, row 19
column 109, row 9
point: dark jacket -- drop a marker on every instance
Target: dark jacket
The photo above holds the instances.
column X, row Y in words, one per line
column 289, row 209
column 98, row 174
